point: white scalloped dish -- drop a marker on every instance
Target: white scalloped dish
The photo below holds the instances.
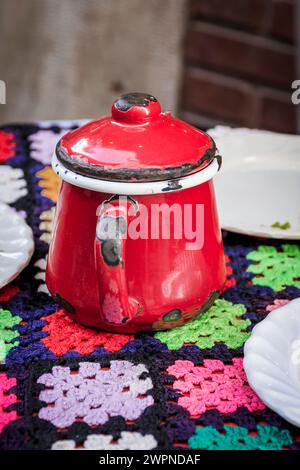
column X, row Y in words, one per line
column 16, row 244
column 258, row 187
column 272, row 361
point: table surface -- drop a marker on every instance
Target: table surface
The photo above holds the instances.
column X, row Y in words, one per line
column 64, row 386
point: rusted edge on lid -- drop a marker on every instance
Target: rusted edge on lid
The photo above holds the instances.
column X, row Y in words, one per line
column 132, row 174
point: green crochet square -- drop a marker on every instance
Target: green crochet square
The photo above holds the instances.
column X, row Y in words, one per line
column 274, row 268
column 222, row 323
column 238, row 438
column 7, row 335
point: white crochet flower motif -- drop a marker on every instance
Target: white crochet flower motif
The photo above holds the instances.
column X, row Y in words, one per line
column 12, row 184
column 127, row 441
column 41, row 275
column 46, row 224
column 43, row 144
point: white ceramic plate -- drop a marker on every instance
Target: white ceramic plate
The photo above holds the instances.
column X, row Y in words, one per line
column 16, row 244
column 272, row 361
column 259, row 182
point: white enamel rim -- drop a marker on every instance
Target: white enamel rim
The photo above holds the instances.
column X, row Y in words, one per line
column 259, row 182
column 16, row 244
column 114, row 187
column 267, row 361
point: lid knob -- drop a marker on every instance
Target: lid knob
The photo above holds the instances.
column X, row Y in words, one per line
column 135, row 108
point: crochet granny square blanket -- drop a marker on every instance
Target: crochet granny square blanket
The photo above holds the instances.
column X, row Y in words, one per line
column 64, row 386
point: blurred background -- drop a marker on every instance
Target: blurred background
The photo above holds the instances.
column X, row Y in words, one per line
column 208, row 61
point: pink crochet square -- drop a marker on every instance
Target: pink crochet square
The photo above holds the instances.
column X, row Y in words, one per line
column 213, row 386
column 6, row 399
column 276, row 304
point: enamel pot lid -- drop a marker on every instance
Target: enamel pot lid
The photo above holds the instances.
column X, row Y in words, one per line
column 138, row 143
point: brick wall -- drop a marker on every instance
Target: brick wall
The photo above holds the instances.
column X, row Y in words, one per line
column 239, row 63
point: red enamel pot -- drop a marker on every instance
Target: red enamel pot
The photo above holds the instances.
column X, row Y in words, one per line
column 136, row 242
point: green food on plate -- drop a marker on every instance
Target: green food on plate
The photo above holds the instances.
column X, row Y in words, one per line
column 284, row 226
